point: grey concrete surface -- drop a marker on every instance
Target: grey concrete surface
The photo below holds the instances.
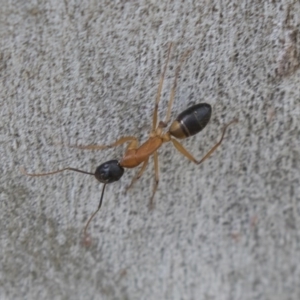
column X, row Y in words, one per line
column 87, row 72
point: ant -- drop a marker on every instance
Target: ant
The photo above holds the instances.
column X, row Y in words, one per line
column 188, row 123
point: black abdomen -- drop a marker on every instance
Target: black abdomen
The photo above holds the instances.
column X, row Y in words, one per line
column 191, row 121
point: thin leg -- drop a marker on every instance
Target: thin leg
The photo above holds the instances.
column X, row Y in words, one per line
column 119, row 142
column 160, row 89
column 139, row 175
column 134, row 144
column 173, row 91
column 151, row 203
column 183, row 151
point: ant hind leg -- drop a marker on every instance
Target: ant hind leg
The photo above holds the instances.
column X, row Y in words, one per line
column 173, row 90
column 158, row 95
column 184, row 152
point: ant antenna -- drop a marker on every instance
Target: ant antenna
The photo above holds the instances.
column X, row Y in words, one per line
column 94, row 214
column 76, row 170
column 23, row 171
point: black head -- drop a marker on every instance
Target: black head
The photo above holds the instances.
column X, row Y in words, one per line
column 109, row 172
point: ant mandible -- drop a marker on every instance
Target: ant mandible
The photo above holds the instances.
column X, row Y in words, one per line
column 188, row 123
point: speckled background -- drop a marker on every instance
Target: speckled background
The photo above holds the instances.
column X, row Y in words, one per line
column 86, row 72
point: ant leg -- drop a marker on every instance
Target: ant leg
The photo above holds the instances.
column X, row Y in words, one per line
column 160, row 89
column 134, row 144
column 183, row 151
column 139, row 175
column 119, row 142
column 173, row 90
column 151, row 203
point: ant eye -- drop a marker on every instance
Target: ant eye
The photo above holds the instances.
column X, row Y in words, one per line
column 104, row 171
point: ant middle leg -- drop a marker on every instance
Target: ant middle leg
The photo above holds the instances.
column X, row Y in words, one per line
column 183, row 151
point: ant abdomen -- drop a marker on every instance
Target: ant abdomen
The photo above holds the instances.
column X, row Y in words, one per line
column 191, row 121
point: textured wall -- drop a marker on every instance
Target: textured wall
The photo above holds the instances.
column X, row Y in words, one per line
column 86, row 72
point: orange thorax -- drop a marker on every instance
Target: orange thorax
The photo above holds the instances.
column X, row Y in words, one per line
column 133, row 157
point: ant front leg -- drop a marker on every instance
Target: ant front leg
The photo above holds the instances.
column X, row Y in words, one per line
column 119, row 142
column 156, row 169
column 139, row 175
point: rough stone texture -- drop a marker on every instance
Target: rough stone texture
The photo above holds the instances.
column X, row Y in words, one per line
column 86, row 72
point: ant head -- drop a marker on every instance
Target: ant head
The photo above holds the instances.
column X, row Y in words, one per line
column 109, row 172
